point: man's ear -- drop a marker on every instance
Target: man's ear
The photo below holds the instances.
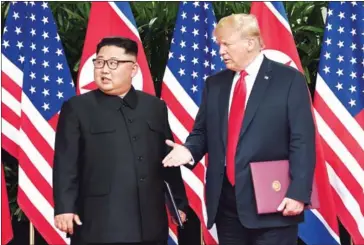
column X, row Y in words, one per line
column 135, row 70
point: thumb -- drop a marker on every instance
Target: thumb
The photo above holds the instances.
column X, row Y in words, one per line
column 76, row 218
column 282, row 205
column 170, row 143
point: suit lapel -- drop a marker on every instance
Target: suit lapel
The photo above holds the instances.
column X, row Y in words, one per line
column 257, row 94
column 224, row 97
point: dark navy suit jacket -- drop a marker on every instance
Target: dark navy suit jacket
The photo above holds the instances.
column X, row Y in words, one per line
column 278, row 124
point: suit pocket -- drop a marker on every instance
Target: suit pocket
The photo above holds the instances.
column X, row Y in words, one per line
column 156, row 127
column 101, row 129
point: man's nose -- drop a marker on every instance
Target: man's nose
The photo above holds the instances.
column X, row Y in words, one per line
column 222, row 50
column 105, row 69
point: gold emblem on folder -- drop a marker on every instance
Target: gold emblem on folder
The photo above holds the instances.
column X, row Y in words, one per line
column 276, row 185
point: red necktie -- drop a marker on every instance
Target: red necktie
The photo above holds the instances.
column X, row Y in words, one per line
column 236, row 116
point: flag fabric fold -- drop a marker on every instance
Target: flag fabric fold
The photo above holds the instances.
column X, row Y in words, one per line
column 320, row 226
column 339, row 109
column 6, row 226
column 36, row 80
column 193, row 56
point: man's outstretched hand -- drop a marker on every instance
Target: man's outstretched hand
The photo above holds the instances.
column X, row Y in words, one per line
column 180, row 155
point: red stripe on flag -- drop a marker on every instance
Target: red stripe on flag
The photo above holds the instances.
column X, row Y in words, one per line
column 340, row 131
column 271, row 27
column 195, row 201
column 37, row 140
column 53, row 122
column 325, row 189
column 10, row 86
column 360, row 118
column 10, row 116
column 35, row 177
column 40, row 223
column 9, row 146
column 196, row 205
column 178, row 110
column 6, row 226
column 348, row 220
column 344, row 174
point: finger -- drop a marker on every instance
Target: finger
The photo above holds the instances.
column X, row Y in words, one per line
column 76, row 218
column 287, row 212
column 57, row 224
column 170, row 143
column 282, row 205
column 63, row 226
column 70, row 226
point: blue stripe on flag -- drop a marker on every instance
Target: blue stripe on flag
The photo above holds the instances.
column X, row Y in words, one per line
column 280, row 8
column 313, row 231
column 126, row 9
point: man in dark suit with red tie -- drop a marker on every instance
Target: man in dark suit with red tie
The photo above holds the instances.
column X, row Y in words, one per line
column 256, row 110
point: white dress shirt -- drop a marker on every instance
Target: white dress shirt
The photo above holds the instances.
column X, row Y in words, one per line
column 252, row 70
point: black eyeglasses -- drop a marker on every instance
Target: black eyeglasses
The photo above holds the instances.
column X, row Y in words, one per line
column 112, row 63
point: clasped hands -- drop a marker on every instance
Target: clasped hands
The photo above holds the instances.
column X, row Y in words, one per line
column 180, row 155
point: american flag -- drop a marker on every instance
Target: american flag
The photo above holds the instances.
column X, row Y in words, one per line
column 194, row 55
column 36, row 80
column 339, row 109
column 320, row 226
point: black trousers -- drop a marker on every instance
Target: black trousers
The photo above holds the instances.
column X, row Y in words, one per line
column 230, row 231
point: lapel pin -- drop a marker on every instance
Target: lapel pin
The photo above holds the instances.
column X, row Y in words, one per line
column 266, row 77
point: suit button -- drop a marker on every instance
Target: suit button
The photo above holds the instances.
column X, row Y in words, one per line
column 134, row 138
column 140, row 158
column 142, row 179
column 130, row 120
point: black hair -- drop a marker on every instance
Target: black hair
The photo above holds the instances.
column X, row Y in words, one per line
column 130, row 46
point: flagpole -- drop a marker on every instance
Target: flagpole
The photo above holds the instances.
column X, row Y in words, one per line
column 31, row 233
column 201, row 232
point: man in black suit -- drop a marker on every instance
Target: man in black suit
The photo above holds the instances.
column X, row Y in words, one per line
column 256, row 110
column 108, row 175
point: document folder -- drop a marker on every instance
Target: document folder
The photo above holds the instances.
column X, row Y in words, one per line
column 171, row 204
column 271, row 181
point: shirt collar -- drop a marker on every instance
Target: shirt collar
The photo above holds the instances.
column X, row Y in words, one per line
column 254, row 66
column 115, row 102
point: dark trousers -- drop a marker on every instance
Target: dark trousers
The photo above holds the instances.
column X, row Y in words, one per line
column 230, row 231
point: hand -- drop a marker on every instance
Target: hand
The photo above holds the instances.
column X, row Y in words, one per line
column 290, row 207
column 178, row 156
column 183, row 217
column 64, row 222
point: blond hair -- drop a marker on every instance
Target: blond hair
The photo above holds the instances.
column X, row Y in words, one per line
column 246, row 24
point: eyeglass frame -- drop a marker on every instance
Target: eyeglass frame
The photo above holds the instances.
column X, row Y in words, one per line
column 107, row 62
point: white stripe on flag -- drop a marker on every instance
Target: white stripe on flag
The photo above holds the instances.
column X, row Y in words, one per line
column 337, row 146
column 10, row 101
column 9, row 131
column 340, row 111
column 12, row 71
column 349, row 201
column 35, row 157
column 328, row 228
column 178, row 91
column 125, row 19
column 283, row 21
column 38, row 121
column 39, row 202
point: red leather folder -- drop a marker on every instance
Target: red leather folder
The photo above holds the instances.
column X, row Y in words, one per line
column 271, row 180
